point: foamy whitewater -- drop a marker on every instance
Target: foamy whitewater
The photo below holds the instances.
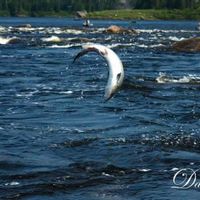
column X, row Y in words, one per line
column 7, row 40
column 164, row 78
column 53, row 38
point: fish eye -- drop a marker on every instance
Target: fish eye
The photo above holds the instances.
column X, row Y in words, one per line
column 102, row 53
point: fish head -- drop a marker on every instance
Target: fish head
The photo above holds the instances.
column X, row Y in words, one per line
column 114, row 84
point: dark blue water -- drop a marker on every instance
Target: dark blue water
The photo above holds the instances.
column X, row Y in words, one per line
column 59, row 140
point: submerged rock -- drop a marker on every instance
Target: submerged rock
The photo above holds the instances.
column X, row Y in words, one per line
column 15, row 40
column 24, row 26
column 188, row 45
column 118, row 29
column 81, row 40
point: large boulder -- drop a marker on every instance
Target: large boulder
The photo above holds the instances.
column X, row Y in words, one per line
column 118, row 29
column 81, row 14
column 188, row 45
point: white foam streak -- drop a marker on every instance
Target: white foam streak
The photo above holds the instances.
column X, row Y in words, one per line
column 73, row 31
column 163, row 78
column 2, row 29
column 52, row 39
column 47, row 30
column 66, row 92
column 165, row 31
column 7, row 40
column 149, row 46
column 64, row 46
column 144, row 170
column 13, row 183
column 119, row 44
column 176, row 39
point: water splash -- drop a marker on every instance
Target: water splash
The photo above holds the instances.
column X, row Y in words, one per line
column 164, row 78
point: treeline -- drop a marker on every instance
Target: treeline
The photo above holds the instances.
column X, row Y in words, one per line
column 164, row 4
column 33, row 7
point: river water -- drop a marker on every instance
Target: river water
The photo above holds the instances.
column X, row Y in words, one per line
column 59, row 140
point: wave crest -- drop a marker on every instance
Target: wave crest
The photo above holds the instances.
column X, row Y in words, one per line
column 164, row 78
column 8, row 40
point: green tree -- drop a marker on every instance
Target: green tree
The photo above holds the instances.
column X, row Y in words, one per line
column 32, row 7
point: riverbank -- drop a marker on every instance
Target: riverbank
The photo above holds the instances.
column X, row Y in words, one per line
column 186, row 14
column 143, row 14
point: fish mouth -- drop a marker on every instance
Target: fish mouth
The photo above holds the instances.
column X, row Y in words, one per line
column 108, row 97
column 110, row 92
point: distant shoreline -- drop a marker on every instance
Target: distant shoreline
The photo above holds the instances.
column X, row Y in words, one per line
column 127, row 14
column 148, row 14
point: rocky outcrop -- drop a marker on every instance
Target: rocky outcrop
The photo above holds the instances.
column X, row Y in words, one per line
column 188, row 45
column 81, row 14
column 118, row 29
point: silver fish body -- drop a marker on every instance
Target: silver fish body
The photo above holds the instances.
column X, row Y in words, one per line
column 116, row 70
